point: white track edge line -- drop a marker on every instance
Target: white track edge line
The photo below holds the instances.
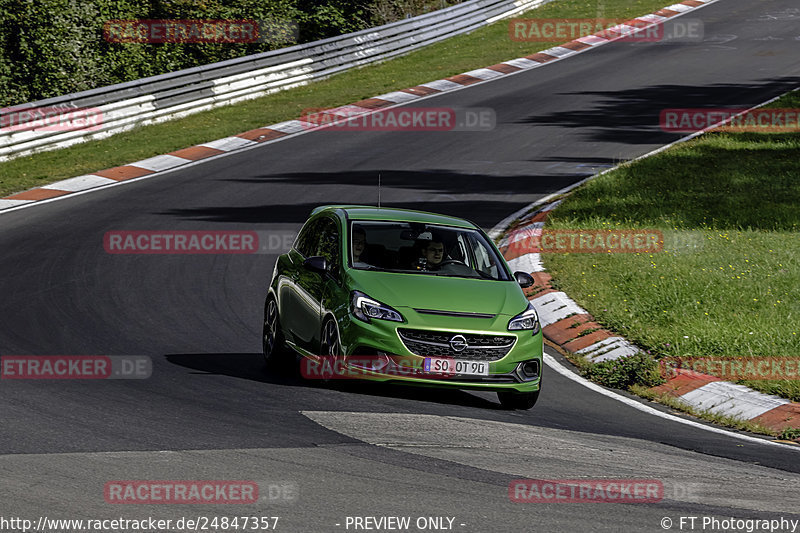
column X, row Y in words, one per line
column 558, row 367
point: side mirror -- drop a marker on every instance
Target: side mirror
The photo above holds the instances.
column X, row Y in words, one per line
column 524, row 279
column 316, row 263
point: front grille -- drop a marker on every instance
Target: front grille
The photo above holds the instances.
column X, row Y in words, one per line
column 437, row 344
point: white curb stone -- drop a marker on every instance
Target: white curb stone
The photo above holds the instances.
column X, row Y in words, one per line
column 555, row 306
column 527, row 263
column 228, row 144
column 729, row 399
column 79, row 183
column 161, row 162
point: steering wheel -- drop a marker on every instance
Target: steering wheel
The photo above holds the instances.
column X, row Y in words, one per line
column 450, row 262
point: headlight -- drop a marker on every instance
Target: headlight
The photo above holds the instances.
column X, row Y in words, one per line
column 525, row 320
column 365, row 308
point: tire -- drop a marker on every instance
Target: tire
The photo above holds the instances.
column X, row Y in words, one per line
column 517, row 400
column 330, row 346
column 273, row 344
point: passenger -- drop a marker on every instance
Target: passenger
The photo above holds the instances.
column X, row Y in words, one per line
column 359, row 244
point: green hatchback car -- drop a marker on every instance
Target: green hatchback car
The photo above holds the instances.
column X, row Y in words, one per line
column 399, row 295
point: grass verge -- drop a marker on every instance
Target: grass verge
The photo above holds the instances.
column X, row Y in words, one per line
column 728, row 281
column 480, row 48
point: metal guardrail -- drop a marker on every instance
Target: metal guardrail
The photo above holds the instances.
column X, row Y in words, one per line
column 176, row 94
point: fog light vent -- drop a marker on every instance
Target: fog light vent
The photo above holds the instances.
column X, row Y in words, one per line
column 530, row 369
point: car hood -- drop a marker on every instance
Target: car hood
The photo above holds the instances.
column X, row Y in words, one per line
column 421, row 291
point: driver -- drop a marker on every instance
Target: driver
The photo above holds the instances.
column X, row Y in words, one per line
column 432, row 253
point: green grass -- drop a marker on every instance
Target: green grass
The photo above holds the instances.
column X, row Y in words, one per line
column 481, row 48
column 728, row 281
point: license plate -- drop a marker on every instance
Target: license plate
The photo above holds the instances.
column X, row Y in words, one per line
column 446, row 365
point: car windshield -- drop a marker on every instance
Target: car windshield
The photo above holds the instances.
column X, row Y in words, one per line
column 428, row 249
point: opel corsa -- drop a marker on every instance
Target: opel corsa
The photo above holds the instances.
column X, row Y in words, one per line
column 399, row 295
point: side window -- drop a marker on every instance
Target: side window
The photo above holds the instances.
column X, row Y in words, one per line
column 484, row 259
column 328, row 244
column 459, row 252
column 306, row 242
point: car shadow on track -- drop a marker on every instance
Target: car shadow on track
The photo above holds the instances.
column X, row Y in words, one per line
column 250, row 366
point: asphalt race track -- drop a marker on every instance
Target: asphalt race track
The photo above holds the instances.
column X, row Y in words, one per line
column 209, row 411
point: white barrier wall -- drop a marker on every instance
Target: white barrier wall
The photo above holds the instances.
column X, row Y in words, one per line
column 177, row 94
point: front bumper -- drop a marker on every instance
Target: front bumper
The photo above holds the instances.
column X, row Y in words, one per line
column 379, row 339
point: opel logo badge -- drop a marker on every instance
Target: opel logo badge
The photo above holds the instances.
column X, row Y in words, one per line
column 458, row 343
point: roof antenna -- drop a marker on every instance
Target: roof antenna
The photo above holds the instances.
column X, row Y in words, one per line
column 379, row 190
